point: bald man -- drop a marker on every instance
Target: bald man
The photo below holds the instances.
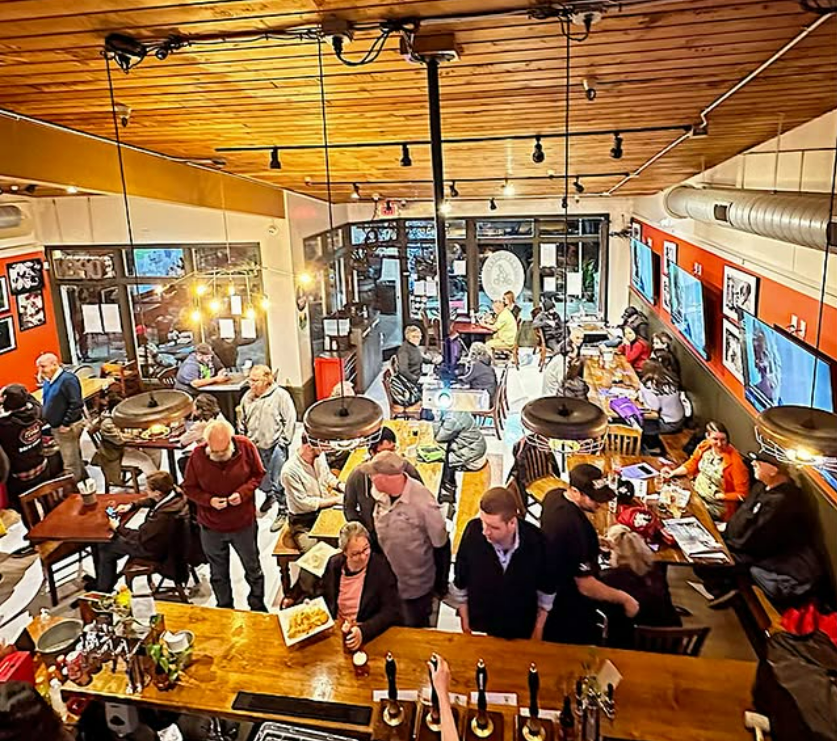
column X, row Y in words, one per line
column 221, row 478
column 63, row 406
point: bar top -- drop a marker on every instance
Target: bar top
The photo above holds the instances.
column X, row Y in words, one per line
column 661, row 698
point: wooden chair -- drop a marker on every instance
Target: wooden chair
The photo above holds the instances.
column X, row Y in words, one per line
column 127, row 472
column 678, row 641
column 493, row 419
column 84, row 371
column 166, row 378
column 35, row 505
column 126, row 375
column 176, row 570
column 285, row 552
column 396, row 411
column 543, row 350
column 535, row 472
column 432, row 331
column 623, row 440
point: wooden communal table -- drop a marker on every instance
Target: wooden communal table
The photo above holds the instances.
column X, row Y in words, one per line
column 74, row 522
column 661, row 697
column 90, row 387
column 328, row 525
column 170, row 444
column 601, row 380
column 604, row 518
column 431, row 473
column 228, row 394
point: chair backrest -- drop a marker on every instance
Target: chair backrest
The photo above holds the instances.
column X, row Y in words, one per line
column 166, row 377
column 679, row 641
column 623, row 440
column 531, row 464
column 387, row 378
column 36, row 503
column 84, row 371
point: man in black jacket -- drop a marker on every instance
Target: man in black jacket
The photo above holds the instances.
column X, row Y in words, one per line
column 21, row 440
column 159, row 538
column 63, row 410
column 501, row 582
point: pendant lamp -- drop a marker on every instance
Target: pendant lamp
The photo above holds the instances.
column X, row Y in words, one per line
column 342, row 422
column 565, row 425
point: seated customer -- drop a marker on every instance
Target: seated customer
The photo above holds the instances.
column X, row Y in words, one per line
column 360, row 588
column 206, row 409
column 567, row 355
column 480, row 374
column 408, row 362
column 21, row 441
column 550, row 324
column 169, row 511
column 721, row 478
column 201, row 368
column 510, row 302
column 466, row 447
column 501, row 582
column 660, row 392
column 634, row 347
column 358, row 504
column 504, row 328
column 633, row 570
column 662, row 350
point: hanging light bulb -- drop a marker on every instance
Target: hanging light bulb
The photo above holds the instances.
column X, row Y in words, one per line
column 305, row 279
column 492, row 204
column 200, row 289
column 231, row 289
column 445, row 208
column 406, row 160
column 355, row 192
column 508, row 189
column 454, row 193
column 250, row 313
column 196, row 316
column 215, row 306
column 275, row 163
column 579, row 188
column 616, row 150
column 537, row 154
column 264, row 302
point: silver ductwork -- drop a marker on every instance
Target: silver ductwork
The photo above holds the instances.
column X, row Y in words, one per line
column 797, row 218
column 10, row 217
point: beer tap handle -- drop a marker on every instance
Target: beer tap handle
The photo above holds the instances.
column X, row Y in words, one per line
column 534, row 686
column 434, row 696
column 482, row 683
column 392, row 689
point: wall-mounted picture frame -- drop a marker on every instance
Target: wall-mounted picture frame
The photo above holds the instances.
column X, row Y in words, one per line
column 733, row 352
column 8, row 341
column 740, row 293
column 669, row 255
column 666, row 293
column 4, row 295
column 30, row 310
column 26, row 276
column 636, row 230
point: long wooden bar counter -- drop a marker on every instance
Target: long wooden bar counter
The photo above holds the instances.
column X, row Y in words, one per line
column 661, row 698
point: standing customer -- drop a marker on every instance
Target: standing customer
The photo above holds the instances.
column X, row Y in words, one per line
column 268, row 418
column 501, row 582
column 22, row 442
column 412, row 535
column 221, row 478
column 63, row 410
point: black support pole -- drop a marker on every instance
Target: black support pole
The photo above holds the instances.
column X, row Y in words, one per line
column 435, row 113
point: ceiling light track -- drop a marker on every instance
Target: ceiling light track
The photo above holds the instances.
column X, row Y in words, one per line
column 504, row 179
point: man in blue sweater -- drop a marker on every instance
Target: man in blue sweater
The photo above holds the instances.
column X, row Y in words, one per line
column 63, row 407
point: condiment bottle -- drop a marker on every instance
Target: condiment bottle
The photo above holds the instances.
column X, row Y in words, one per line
column 566, row 722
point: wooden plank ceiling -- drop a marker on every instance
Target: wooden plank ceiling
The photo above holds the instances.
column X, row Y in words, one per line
column 654, row 64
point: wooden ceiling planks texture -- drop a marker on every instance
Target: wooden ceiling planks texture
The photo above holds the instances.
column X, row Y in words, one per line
column 653, row 64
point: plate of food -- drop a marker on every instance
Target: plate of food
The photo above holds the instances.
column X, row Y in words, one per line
column 316, row 559
column 301, row 622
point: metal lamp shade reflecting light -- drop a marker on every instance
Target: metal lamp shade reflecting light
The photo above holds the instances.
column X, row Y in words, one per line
column 799, row 436
column 564, row 425
column 343, row 423
column 153, row 410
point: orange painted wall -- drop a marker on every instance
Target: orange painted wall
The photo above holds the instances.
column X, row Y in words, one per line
column 18, row 365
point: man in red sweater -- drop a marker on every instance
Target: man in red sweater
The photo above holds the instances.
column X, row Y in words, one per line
column 221, row 477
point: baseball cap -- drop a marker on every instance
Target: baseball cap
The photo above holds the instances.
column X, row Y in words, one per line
column 591, row 481
column 769, row 458
column 203, row 348
column 387, row 463
column 14, row 396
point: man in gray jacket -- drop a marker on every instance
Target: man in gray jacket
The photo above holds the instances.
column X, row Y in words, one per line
column 268, row 418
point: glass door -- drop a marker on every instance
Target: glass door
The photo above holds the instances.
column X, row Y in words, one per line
column 95, row 330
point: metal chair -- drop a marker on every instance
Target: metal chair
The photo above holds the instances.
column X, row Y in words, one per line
column 84, row 371
column 493, row 419
column 396, row 411
column 678, row 641
column 167, row 377
column 623, row 440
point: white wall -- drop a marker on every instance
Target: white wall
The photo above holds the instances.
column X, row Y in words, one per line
column 20, row 239
column 761, row 168
column 619, row 210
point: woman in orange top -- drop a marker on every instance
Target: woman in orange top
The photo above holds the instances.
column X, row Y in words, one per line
column 721, row 478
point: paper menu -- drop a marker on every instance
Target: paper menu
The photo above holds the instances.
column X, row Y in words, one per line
column 235, row 305
column 574, row 284
column 226, row 329
column 248, row 329
column 548, row 255
column 549, row 284
column 92, row 319
column 459, row 267
column 112, row 318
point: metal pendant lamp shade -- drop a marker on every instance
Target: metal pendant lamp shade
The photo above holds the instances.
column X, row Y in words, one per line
column 563, row 424
column 800, row 436
column 143, row 411
column 343, row 423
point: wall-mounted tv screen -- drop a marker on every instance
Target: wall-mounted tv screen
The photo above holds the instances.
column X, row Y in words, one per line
column 687, row 312
column 642, row 270
column 781, row 370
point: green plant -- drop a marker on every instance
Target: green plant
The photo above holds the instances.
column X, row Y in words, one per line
column 169, row 662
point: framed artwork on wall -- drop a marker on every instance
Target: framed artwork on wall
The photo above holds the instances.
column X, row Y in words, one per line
column 666, row 293
column 733, row 356
column 26, row 276
column 30, row 310
column 740, row 292
column 636, row 230
column 4, row 295
column 7, row 335
column 669, row 255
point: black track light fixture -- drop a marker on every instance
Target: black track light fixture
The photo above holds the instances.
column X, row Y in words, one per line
column 537, row 154
column 616, row 150
column 454, row 193
column 579, row 188
column 30, row 189
column 355, row 192
column 275, row 163
column 492, row 205
column 564, row 202
column 406, row 160
column 589, row 89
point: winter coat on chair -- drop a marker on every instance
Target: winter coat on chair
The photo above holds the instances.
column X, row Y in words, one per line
column 466, row 443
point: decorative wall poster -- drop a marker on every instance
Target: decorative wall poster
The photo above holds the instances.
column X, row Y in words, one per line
column 733, row 356
column 26, row 276
column 666, row 286
column 740, row 292
column 4, row 295
column 669, row 255
column 636, row 230
column 502, row 271
column 7, row 334
column 30, row 310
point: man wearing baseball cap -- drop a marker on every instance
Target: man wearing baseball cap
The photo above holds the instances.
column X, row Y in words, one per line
column 574, row 557
column 411, row 533
column 770, row 536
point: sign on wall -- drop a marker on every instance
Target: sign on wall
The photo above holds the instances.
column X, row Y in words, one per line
column 501, row 272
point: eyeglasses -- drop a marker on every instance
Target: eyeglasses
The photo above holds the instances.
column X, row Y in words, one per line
column 363, row 552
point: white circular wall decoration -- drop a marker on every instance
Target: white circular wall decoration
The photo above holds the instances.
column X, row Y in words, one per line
column 502, row 271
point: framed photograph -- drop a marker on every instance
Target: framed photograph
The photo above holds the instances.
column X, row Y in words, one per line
column 636, row 230
column 7, row 334
column 669, row 255
column 733, row 357
column 4, row 295
column 666, row 293
column 740, row 292
column 30, row 310
column 26, row 276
